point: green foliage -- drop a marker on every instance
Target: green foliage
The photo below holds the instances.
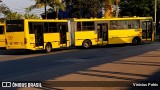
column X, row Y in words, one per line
column 2, row 20
column 137, row 7
column 85, row 8
column 13, row 15
column 4, row 9
column 53, row 4
column 30, row 16
column 158, row 9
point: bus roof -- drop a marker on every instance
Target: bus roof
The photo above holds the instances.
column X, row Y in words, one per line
column 104, row 19
column 46, row 20
column 41, row 20
column 1, row 24
column 84, row 19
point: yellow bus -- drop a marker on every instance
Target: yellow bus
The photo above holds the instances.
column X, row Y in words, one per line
column 2, row 35
column 37, row 34
column 103, row 31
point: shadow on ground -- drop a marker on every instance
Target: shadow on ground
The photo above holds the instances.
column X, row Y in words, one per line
column 51, row 66
column 153, row 83
column 29, row 52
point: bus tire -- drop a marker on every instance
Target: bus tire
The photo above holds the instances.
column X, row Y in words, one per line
column 135, row 41
column 86, row 44
column 48, row 47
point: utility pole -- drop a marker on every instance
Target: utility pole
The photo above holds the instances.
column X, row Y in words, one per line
column 155, row 14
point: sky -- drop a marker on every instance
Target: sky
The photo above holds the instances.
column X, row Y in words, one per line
column 20, row 5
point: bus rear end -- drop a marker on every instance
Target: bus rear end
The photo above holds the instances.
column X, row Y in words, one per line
column 15, row 36
column 2, row 36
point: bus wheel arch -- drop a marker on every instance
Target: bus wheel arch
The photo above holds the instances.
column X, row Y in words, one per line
column 87, row 43
column 136, row 40
column 48, row 47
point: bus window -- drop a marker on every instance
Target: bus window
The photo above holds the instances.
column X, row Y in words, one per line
column 87, row 25
column 1, row 29
column 136, row 24
column 52, row 27
column 33, row 26
column 114, row 25
column 78, row 26
column 123, row 25
column 31, row 31
column 129, row 24
column 15, row 26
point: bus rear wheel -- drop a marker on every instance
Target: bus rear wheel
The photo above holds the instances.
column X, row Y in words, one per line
column 135, row 41
column 86, row 44
column 48, row 48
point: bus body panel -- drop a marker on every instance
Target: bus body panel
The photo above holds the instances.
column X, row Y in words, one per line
column 80, row 36
column 68, row 39
column 2, row 36
column 53, row 38
column 15, row 40
column 123, row 36
column 2, row 41
column 31, row 42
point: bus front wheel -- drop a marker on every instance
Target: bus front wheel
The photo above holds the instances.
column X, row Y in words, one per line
column 86, row 44
column 48, row 47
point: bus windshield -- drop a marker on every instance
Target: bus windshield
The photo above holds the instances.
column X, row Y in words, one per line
column 15, row 25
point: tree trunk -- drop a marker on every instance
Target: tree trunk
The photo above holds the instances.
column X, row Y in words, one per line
column 108, row 10
column 56, row 13
column 117, row 2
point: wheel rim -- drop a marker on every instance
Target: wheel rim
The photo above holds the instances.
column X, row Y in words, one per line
column 48, row 48
column 135, row 41
column 86, row 45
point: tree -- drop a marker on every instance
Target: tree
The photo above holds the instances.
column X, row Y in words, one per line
column 30, row 16
column 84, row 8
column 109, row 8
column 137, row 7
column 53, row 4
column 13, row 15
column 3, row 8
column 140, row 8
column 117, row 5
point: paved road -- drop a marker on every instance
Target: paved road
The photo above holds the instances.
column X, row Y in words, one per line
column 83, row 64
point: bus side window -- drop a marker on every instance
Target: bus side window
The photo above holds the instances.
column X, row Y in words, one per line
column 129, row 24
column 88, row 26
column 31, row 31
column 114, row 25
column 78, row 26
column 46, row 28
column 52, row 27
column 136, row 24
column 20, row 27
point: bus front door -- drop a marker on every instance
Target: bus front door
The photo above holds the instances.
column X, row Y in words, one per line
column 63, row 37
column 102, row 29
column 39, row 41
column 147, row 31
